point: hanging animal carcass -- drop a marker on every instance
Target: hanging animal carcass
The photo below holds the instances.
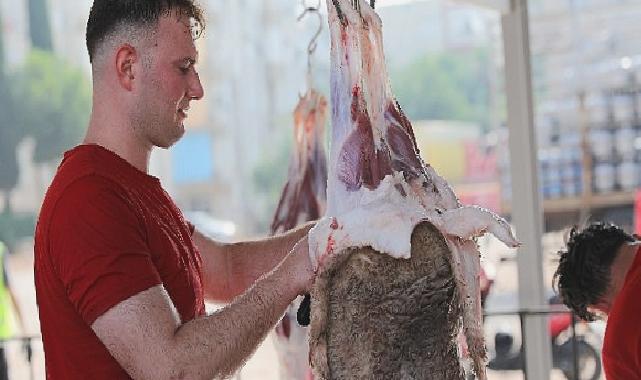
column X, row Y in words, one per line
column 397, row 292
column 303, row 199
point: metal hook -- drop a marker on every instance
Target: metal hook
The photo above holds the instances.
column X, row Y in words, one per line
column 313, row 44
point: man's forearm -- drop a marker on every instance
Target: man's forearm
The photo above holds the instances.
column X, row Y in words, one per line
column 250, row 260
column 217, row 345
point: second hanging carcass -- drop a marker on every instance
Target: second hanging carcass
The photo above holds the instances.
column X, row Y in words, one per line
column 302, row 200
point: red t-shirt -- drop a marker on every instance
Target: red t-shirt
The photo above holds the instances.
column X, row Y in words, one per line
column 622, row 342
column 106, row 232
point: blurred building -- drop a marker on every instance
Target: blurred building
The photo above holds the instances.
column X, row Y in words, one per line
column 68, row 24
column 14, row 31
column 584, row 49
column 412, row 29
column 253, row 62
column 587, row 76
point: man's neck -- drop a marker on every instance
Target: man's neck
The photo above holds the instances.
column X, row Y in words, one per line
column 621, row 266
column 120, row 139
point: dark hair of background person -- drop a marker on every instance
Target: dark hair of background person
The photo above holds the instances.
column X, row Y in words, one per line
column 107, row 15
column 583, row 275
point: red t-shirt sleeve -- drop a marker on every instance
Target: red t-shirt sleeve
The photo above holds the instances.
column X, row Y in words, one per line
column 98, row 248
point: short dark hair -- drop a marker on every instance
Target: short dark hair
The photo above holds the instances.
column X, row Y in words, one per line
column 583, row 275
column 106, row 15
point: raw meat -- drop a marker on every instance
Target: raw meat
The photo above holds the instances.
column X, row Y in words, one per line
column 304, row 195
column 302, row 200
column 379, row 188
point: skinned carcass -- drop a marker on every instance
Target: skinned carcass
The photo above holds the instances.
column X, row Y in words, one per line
column 304, row 196
column 303, row 199
column 406, row 323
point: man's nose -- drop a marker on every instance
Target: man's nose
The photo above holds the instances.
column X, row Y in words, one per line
column 196, row 91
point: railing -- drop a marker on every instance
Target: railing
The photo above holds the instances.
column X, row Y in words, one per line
column 553, row 310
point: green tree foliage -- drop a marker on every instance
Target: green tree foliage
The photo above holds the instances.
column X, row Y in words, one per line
column 55, row 103
column 2, row 64
column 10, row 134
column 39, row 28
column 45, row 98
column 445, row 86
column 48, row 100
column 14, row 226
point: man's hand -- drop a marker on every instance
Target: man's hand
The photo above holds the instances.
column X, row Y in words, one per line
column 301, row 256
column 300, row 266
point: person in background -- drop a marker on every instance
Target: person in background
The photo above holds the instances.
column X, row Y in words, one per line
column 9, row 312
column 599, row 274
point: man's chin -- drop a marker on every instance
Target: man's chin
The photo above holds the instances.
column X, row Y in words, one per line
column 169, row 141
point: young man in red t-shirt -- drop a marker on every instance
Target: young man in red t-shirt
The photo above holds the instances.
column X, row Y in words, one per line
column 120, row 276
column 600, row 272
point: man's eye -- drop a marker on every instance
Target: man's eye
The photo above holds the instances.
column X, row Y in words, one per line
column 185, row 70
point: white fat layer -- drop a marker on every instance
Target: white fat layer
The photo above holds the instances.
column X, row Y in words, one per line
column 381, row 218
column 384, row 219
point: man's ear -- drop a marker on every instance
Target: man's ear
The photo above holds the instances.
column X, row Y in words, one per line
column 126, row 57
